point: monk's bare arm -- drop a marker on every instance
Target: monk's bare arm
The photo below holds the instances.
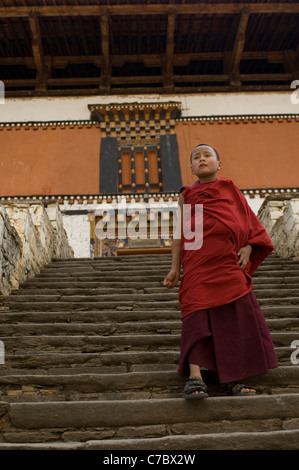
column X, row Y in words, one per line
column 173, row 276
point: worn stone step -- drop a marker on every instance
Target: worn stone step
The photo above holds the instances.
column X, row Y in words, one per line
column 147, row 259
column 53, row 362
column 130, row 385
column 87, row 316
column 83, row 305
column 69, row 362
column 82, row 289
column 260, row 291
column 149, row 271
column 105, row 277
column 283, row 296
column 44, row 293
column 277, row 313
column 143, row 258
column 87, row 343
column 129, row 284
column 93, row 343
column 135, row 303
column 111, row 327
column 271, row 273
column 119, row 414
column 144, row 446
column 260, row 440
column 74, row 291
column 112, row 272
column 106, row 329
column 92, row 267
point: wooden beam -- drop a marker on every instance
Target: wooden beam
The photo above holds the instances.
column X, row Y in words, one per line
column 290, row 62
column 168, row 64
column 296, row 62
column 150, row 60
column 238, row 48
column 143, row 90
column 105, row 66
column 150, row 79
column 200, row 78
column 149, row 9
column 37, row 49
column 256, row 77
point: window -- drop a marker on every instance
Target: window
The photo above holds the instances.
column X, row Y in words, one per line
column 139, row 169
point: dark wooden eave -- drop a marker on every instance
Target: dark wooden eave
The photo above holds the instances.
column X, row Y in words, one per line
column 71, row 47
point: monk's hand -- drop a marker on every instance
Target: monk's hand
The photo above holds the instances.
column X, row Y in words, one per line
column 172, row 278
column 244, row 255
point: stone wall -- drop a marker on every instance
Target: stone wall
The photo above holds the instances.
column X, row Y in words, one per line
column 11, row 248
column 31, row 235
column 280, row 217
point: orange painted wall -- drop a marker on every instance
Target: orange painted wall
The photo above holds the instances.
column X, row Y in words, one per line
column 65, row 160
column 254, row 155
column 49, row 161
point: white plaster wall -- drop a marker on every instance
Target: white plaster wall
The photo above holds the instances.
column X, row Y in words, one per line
column 77, row 228
column 212, row 104
column 255, row 203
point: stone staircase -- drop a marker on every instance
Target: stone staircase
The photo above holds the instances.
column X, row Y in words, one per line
column 91, row 353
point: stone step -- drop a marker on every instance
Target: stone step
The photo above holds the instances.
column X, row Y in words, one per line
column 134, row 270
column 130, row 385
column 88, row 316
column 92, row 267
column 132, row 301
column 34, row 283
column 147, row 258
column 53, row 362
column 69, row 362
column 110, row 326
column 105, row 329
column 154, row 271
column 152, row 424
column 281, row 291
column 283, row 313
column 121, row 305
column 98, row 343
column 186, row 448
column 260, row 291
column 267, row 295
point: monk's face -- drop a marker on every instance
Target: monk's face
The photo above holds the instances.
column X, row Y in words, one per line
column 204, row 163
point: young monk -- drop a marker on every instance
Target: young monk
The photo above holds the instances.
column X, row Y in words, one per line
column 223, row 328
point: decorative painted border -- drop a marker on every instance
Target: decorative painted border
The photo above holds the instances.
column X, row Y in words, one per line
column 217, row 119
column 85, row 199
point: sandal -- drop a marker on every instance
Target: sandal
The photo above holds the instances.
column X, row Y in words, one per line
column 238, row 387
column 195, row 384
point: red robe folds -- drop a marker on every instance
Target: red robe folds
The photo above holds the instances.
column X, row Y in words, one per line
column 211, row 275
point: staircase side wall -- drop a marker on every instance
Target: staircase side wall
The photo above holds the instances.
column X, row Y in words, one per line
column 280, row 217
column 31, row 235
column 11, row 248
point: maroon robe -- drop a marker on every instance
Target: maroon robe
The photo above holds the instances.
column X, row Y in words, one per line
column 223, row 328
column 211, row 275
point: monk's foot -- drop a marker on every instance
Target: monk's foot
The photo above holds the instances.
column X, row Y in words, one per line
column 239, row 389
column 195, row 388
